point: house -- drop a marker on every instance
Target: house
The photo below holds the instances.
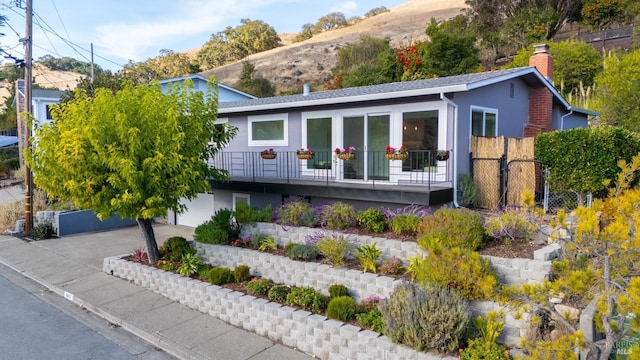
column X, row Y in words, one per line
column 202, row 207
column 425, row 116
column 41, row 100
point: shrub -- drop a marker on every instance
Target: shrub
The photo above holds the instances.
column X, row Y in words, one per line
column 219, row 275
column 335, row 248
column 297, row 213
column 279, row 293
column 246, row 214
column 256, row 239
column 302, row 252
column 368, row 256
column 450, row 228
column 175, row 247
column 337, row 290
column 460, row 269
column 190, row 264
column 421, row 211
column 392, row 266
column 467, row 191
column 259, row 286
column 167, row 265
column 241, row 273
column 43, row 231
column 337, row 216
column 404, row 223
column 485, row 347
column 425, row 317
column 139, row 254
column 342, row 308
column 267, row 243
column 207, row 233
column 368, row 314
column 306, row 299
column 223, row 219
column 371, row 220
column 510, row 226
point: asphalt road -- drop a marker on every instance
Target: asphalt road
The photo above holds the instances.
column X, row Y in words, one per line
column 38, row 324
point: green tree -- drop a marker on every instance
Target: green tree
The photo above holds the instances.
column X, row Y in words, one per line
column 167, row 65
column 575, row 64
column 305, row 34
column 135, row 153
column 376, row 11
column 252, row 83
column 451, row 48
column 330, row 21
column 369, row 61
column 233, row 44
column 617, row 89
column 600, row 13
column 601, row 264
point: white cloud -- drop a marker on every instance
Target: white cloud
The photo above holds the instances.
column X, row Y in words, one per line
column 348, row 8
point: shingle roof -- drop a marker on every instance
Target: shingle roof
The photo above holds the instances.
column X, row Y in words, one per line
column 46, row 93
column 390, row 90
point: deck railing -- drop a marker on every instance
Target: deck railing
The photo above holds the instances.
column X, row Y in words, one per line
column 419, row 167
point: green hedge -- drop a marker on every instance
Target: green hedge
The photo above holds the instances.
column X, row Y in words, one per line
column 582, row 159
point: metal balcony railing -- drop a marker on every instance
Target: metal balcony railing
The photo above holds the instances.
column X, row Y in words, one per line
column 417, row 167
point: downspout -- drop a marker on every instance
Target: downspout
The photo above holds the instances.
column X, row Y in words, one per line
column 564, row 116
column 455, row 147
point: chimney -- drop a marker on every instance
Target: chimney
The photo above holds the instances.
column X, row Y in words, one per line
column 540, row 98
column 306, row 89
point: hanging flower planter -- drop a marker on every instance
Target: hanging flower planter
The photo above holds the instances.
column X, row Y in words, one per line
column 346, row 156
column 268, row 154
column 443, row 155
column 392, row 153
column 397, row 156
column 304, row 154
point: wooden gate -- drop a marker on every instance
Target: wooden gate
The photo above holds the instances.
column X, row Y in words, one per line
column 503, row 168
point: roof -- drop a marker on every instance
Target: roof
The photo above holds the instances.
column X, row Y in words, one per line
column 397, row 90
column 46, row 94
column 202, row 78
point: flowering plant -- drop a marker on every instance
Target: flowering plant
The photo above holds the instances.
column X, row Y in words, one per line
column 304, row 151
column 391, row 150
column 443, row 153
column 268, row 151
column 347, row 150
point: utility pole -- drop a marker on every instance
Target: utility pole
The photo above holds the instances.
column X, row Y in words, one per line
column 28, row 221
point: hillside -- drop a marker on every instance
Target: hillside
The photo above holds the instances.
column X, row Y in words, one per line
column 311, row 61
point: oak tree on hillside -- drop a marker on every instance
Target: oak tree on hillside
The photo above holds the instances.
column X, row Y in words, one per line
column 135, row 153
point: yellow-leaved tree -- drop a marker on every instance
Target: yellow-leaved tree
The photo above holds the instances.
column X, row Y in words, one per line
column 136, row 152
column 601, row 264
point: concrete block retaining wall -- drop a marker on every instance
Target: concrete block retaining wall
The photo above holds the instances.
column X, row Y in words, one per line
column 283, row 270
column 310, row 333
column 510, row 271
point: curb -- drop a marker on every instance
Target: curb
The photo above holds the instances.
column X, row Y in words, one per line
column 157, row 340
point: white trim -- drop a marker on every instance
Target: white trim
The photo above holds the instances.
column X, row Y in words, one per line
column 236, row 196
column 484, row 111
column 284, row 117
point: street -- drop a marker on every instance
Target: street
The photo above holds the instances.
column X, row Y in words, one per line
column 39, row 324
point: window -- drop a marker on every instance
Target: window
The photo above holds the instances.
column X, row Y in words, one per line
column 319, row 140
column 241, row 198
column 419, row 135
column 269, row 130
column 484, row 122
column 219, row 125
column 48, row 111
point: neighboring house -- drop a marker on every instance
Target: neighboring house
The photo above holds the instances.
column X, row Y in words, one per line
column 424, row 115
column 202, row 207
column 41, row 100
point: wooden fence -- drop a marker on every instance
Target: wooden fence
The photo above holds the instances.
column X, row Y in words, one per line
column 503, row 168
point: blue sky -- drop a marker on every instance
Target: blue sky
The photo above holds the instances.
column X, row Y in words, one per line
column 123, row 30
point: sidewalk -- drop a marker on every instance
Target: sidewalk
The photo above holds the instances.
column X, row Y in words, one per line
column 72, row 267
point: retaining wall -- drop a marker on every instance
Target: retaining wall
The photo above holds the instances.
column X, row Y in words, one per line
column 310, row 333
column 510, row 271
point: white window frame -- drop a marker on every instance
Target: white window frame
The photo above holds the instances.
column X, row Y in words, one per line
column 236, row 196
column 484, row 111
column 271, row 117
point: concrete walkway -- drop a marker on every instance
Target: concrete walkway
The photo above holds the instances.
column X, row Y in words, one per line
column 72, row 267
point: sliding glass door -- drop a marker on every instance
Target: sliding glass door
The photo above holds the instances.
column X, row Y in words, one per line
column 370, row 136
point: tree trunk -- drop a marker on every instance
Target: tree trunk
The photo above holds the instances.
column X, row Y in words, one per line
column 149, row 239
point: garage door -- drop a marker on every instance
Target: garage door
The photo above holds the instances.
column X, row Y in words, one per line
column 199, row 210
